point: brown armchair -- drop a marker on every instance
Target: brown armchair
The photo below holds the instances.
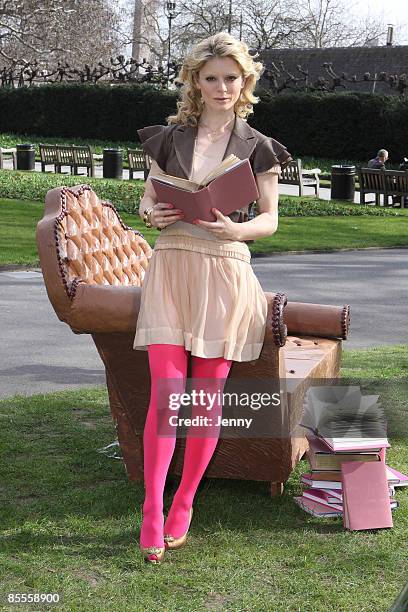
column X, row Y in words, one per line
column 93, row 267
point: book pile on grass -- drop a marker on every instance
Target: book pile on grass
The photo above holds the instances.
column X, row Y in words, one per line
column 348, row 475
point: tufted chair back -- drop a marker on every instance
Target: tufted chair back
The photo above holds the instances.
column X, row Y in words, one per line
column 94, row 244
column 84, row 246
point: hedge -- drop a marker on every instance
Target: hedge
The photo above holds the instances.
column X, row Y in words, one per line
column 15, row 185
column 337, row 126
column 89, row 111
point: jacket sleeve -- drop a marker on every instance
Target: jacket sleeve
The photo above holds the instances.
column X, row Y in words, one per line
column 154, row 143
column 268, row 153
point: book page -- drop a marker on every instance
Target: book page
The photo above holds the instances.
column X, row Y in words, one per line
column 227, row 164
column 176, row 181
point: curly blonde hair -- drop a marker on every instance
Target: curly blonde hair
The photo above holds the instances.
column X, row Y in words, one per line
column 222, row 44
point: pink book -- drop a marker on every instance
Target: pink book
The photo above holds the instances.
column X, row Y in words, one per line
column 366, row 501
column 355, row 445
column 402, row 478
column 232, row 190
column 339, row 448
column 336, row 497
column 333, row 479
column 318, row 445
column 320, row 496
column 316, row 509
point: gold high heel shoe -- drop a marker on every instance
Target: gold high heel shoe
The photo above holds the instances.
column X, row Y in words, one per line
column 153, row 554
column 172, row 543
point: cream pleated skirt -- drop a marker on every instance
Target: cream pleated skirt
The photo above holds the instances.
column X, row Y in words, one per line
column 202, row 295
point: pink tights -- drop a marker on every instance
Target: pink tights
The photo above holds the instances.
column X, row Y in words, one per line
column 169, row 361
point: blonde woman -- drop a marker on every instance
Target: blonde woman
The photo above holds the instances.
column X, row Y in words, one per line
column 200, row 296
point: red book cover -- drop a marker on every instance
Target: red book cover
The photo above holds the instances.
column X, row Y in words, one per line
column 315, row 508
column 318, row 446
column 355, row 445
column 402, row 478
column 234, row 189
column 320, row 496
column 366, row 501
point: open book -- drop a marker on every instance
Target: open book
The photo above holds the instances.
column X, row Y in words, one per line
column 227, row 164
column 344, row 419
column 228, row 187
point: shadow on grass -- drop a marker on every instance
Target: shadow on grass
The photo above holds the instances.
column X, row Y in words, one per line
column 113, row 507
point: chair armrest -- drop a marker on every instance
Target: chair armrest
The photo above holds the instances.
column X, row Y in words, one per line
column 97, row 156
column 110, row 309
column 276, row 330
column 115, row 308
column 317, row 320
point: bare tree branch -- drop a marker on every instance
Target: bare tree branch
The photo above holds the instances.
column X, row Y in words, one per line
column 70, row 30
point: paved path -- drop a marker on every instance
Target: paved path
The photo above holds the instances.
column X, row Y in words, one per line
column 39, row 354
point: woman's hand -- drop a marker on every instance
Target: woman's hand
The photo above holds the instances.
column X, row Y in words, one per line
column 164, row 214
column 223, row 227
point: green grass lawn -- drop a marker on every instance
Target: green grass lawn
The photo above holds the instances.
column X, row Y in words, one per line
column 18, row 220
column 70, row 523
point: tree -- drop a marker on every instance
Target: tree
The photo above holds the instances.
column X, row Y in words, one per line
column 22, row 24
column 76, row 31
column 193, row 21
column 265, row 24
column 332, row 23
column 270, row 23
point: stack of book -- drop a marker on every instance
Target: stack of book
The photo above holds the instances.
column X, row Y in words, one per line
column 348, row 475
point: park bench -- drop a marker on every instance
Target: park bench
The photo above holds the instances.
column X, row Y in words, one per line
column 93, row 267
column 65, row 156
column 388, row 183
column 294, row 174
column 74, row 156
column 371, row 181
column 5, row 153
column 138, row 161
column 48, row 156
column 396, row 185
column 84, row 158
column 57, row 156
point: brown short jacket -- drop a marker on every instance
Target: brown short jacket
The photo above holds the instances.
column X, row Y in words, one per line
column 172, row 147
